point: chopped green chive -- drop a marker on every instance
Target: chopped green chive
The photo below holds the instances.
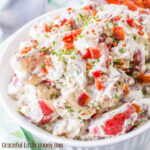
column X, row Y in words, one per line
column 53, row 43
column 46, row 35
column 119, row 82
column 118, row 61
column 79, row 118
column 48, row 87
column 116, row 96
column 73, row 57
column 107, row 25
column 122, row 50
column 134, row 37
column 43, row 66
column 67, row 107
column 52, row 95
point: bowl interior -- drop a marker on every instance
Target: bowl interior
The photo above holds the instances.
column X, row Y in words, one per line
column 9, row 105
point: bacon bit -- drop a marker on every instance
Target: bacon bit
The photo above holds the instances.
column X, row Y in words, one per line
column 116, row 18
column 47, row 28
column 130, row 22
column 99, row 85
column 102, row 38
column 48, row 62
column 35, row 41
column 96, row 114
column 127, row 91
column 44, row 70
column 94, row 12
column 63, row 21
column 79, row 52
column 96, row 74
column 93, row 30
column 108, row 62
column 137, row 108
column 83, row 99
column 131, row 5
column 137, row 57
column 69, row 9
column 69, row 21
column 96, row 54
column 55, row 26
column 69, row 46
column 144, row 12
column 126, row 70
column 123, row 45
column 34, row 46
column 88, row 66
column 91, row 7
column 143, row 78
column 115, row 44
column 68, row 38
column 140, row 29
column 114, row 2
column 118, row 33
column 77, row 32
column 56, row 17
column 86, row 8
column 25, row 50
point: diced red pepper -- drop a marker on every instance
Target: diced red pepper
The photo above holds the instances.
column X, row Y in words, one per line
column 47, row 28
column 47, row 112
column 118, row 33
column 130, row 22
column 99, row 85
column 96, row 74
column 83, row 99
column 115, row 125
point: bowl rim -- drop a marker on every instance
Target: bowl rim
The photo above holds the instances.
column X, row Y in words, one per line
column 48, row 136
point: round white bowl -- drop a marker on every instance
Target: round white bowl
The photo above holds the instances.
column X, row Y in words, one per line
column 129, row 141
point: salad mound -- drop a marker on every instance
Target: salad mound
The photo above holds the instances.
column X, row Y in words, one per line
column 85, row 74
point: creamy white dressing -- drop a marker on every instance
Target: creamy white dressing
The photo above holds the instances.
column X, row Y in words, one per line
column 74, row 74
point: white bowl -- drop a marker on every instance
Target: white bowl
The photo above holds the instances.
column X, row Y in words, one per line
column 129, row 141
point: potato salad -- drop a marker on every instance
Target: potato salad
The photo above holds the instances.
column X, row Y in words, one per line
column 85, row 73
